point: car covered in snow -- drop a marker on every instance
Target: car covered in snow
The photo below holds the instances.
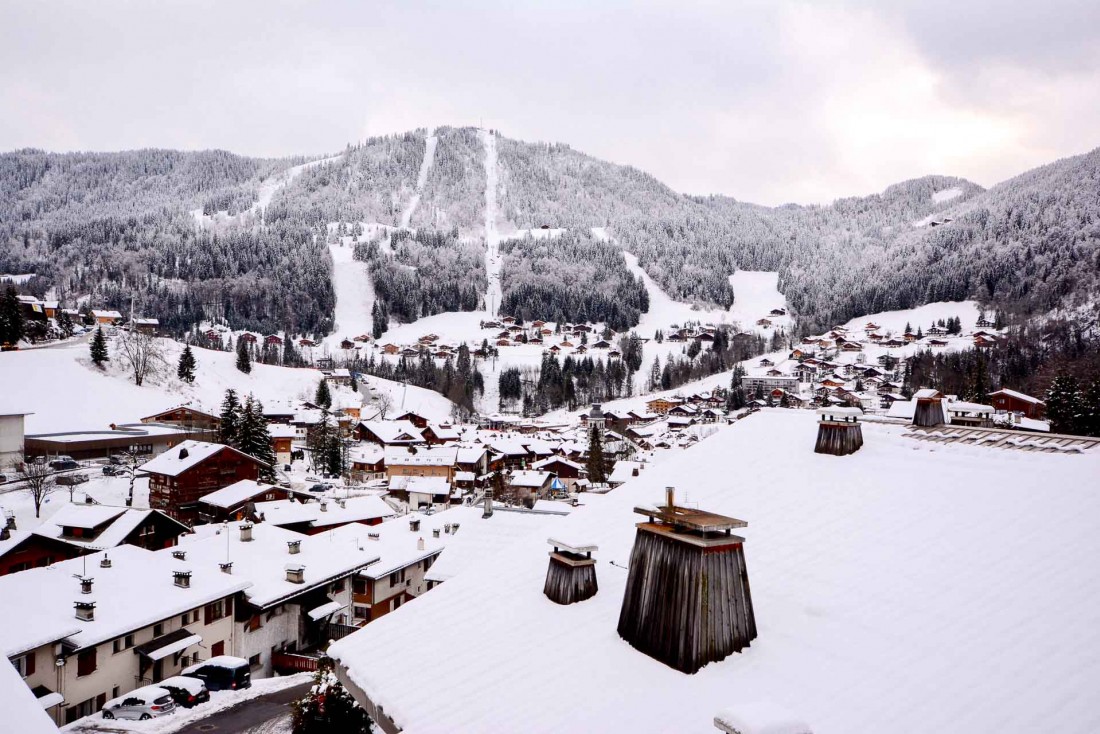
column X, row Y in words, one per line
column 221, row 673
column 186, row 691
column 144, row 703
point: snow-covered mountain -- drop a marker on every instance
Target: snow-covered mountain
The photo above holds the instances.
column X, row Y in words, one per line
column 205, row 233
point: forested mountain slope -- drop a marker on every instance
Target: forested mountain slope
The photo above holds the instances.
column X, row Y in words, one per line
column 110, row 225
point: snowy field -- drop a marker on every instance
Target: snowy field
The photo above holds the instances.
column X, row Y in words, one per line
column 354, row 296
column 67, row 393
column 908, row 588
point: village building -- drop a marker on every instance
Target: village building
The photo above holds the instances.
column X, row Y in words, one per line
column 140, row 616
column 389, row 433
column 296, row 590
column 106, row 318
column 12, row 439
column 531, row 484
column 140, row 439
column 238, row 500
column 179, row 478
column 195, row 418
column 311, row 516
column 1011, row 401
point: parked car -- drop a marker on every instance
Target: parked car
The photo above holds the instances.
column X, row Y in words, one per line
column 221, row 673
column 110, row 470
column 63, row 464
column 69, row 480
column 3, row 478
column 185, row 690
column 142, row 704
column 320, row 488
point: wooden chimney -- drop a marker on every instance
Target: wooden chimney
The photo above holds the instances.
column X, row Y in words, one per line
column 928, row 411
column 571, row 576
column 838, row 431
column 687, row 600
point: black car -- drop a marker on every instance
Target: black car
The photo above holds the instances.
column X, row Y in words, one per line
column 64, row 465
column 110, row 470
column 186, row 691
column 320, row 488
column 222, row 673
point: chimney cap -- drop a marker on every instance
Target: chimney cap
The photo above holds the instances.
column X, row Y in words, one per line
column 572, row 547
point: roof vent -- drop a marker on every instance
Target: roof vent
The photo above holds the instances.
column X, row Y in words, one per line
column 179, row 555
column 454, row 528
column 414, row 524
column 183, row 453
column 324, row 506
column 420, row 544
column 571, row 576
column 487, row 512
column 294, row 546
column 86, row 585
column 686, row 572
column 435, row 532
column 246, row 532
column 85, row 610
column 373, row 536
column 447, row 528
column 341, row 503
column 105, row 562
column 226, row 567
column 5, row 534
column 838, row 431
column 182, row 579
column 296, row 573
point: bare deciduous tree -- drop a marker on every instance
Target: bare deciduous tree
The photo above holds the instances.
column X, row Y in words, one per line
column 39, row 481
column 142, row 354
column 384, row 403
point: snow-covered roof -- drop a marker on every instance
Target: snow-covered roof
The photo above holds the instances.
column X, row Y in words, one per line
column 1018, row 396
column 21, row 710
column 421, row 456
column 236, row 493
column 529, row 479
column 354, row 509
column 557, row 460
column 623, row 471
column 261, row 562
column 850, row 575
column 186, row 455
column 119, row 524
column 394, row 431
column 136, row 591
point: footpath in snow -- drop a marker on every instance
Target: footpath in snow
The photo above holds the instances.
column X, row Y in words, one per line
column 494, row 294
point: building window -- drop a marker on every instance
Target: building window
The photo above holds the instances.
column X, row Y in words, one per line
column 254, row 661
column 24, row 664
column 158, row 629
column 218, row 648
column 115, row 692
column 338, row 587
column 123, row 643
column 217, row 610
column 362, row 612
column 86, row 662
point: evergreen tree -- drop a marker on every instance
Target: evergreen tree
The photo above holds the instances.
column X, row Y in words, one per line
column 65, row 323
column 254, row 438
column 1090, row 409
column 12, row 328
column 597, row 467
column 229, row 429
column 186, row 368
column 1064, row 404
column 323, row 396
column 328, row 707
column 99, row 347
column 244, row 360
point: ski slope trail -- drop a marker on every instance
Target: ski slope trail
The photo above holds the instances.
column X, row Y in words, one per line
column 266, row 192
column 492, row 236
column 354, row 295
column 421, row 179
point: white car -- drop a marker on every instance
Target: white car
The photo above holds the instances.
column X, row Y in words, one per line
column 141, row 704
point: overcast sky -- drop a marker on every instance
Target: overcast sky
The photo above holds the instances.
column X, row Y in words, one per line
column 767, row 101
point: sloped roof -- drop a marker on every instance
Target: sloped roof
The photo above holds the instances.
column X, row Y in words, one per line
column 187, row 455
column 849, row 574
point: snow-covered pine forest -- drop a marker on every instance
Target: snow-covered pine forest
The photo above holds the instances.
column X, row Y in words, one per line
column 574, row 277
